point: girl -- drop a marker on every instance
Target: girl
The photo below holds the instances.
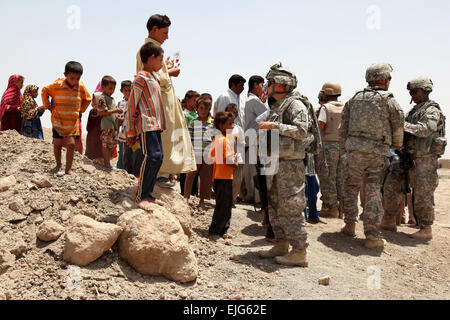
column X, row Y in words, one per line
column 31, row 113
column 9, row 108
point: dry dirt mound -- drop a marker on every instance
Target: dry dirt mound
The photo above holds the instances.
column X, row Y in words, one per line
column 231, row 269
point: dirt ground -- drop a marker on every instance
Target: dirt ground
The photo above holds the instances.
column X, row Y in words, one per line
column 406, row 269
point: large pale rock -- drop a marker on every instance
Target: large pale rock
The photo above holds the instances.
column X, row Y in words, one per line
column 155, row 244
column 7, row 182
column 177, row 205
column 87, row 240
column 50, row 231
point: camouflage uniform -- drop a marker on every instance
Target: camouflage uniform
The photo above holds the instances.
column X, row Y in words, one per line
column 372, row 122
column 287, row 194
column 424, row 128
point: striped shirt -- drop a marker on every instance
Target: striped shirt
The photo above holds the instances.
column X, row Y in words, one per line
column 201, row 137
column 69, row 104
column 145, row 109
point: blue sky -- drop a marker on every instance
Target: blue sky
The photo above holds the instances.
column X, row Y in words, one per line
column 320, row 40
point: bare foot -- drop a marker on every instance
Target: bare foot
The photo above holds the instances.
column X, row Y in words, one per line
column 68, row 172
column 228, row 236
column 145, row 205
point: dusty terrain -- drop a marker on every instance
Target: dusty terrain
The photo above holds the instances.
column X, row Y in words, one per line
column 407, row 268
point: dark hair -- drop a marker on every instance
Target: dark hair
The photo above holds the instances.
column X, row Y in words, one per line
column 236, row 79
column 221, row 118
column 231, row 105
column 73, row 67
column 254, row 80
column 206, row 95
column 107, row 80
column 158, row 21
column 190, row 94
column 150, row 49
column 126, row 83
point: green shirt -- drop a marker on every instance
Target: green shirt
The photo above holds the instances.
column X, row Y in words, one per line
column 109, row 121
column 190, row 115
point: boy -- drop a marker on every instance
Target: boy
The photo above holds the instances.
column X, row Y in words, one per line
column 146, row 106
column 224, row 163
column 108, row 110
column 239, row 146
column 71, row 99
column 125, row 152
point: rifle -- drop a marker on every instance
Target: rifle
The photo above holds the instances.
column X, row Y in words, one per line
column 406, row 164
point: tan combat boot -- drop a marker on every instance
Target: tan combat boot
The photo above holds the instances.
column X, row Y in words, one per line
column 295, row 258
column 375, row 242
column 425, row 233
column 280, row 249
column 389, row 223
column 349, row 229
column 331, row 213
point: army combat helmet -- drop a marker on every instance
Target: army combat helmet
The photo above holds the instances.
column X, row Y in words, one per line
column 378, row 72
column 421, row 83
column 331, row 89
column 281, row 75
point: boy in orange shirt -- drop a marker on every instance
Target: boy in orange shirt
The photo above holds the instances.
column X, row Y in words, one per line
column 222, row 152
column 71, row 100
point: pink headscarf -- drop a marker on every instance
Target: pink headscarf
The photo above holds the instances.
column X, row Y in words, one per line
column 99, row 87
column 12, row 96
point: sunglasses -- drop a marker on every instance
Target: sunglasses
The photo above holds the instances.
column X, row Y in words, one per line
column 413, row 92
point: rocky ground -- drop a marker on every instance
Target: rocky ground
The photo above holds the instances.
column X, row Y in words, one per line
column 227, row 269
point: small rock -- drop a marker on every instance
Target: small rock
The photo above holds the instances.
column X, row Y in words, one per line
column 16, row 206
column 74, row 199
column 41, row 181
column 50, row 231
column 65, row 215
column 324, row 281
column 40, row 205
column 238, row 297
column 6, row 183
column 7, row 260
column 8, row 295
column 88, row 168
column 126, row 204
column 19, row 248
column 228, row 242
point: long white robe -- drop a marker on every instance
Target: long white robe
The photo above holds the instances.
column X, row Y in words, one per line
column 176, row 141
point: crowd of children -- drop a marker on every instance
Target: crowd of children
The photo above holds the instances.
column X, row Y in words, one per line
column 135, row 125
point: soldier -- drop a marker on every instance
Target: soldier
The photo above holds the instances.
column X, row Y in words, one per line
column 290, row 116
column 424, row 143
column 329, row 121
column 372, row 122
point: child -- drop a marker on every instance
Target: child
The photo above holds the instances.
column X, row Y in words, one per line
column 224, row 163
column 190, row 113
column 71, row 99
column 201, row 136
column 31, row 113
column 108, row 110
column 311, row 190
column 125, row 152
column 239, row 146
column 190, row 110
column 146, row 104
